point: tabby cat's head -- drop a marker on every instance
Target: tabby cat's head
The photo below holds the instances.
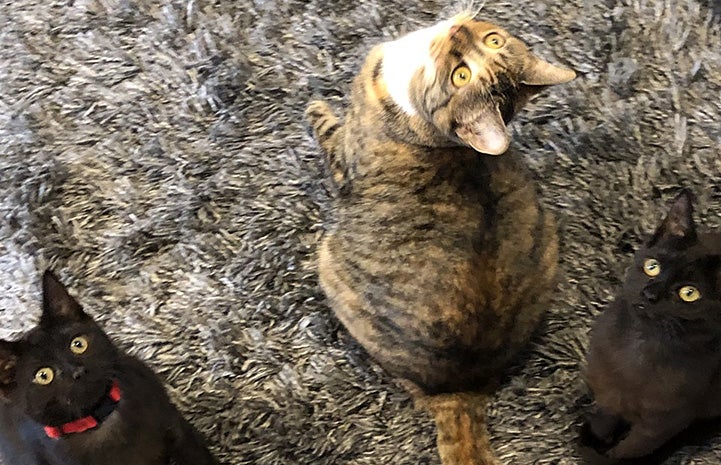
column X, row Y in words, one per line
column 466, row 79
column 676, row 275
column 61, row 369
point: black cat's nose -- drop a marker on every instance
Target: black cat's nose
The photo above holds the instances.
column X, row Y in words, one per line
column 79, row 372
column 651, row 294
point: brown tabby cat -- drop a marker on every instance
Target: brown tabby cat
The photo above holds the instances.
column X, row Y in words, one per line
column 441, row 257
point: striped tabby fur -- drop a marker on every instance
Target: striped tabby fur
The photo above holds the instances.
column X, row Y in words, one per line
column 441, row 257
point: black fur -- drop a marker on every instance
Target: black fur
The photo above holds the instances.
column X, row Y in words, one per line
column 144, row 428
column 654, row 363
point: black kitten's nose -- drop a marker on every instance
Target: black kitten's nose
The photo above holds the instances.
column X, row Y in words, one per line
column 650, row 294
column 79, row 372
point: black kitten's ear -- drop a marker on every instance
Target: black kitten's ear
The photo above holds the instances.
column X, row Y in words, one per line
column 9, row 352
column 678, row 226
column 57, row 303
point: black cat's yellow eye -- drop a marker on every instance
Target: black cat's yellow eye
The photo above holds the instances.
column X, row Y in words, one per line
column 79, row 345
column 494, row 40
column 689, row 294
column 651, row 267
column 44, row 376
column 461, row 76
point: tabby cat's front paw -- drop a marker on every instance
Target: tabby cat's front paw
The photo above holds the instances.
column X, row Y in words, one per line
column 320, row 116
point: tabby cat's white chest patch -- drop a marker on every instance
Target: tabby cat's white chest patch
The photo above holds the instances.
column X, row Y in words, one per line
column 403, row 57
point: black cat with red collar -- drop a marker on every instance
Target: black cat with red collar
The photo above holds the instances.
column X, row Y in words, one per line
column 68, row 396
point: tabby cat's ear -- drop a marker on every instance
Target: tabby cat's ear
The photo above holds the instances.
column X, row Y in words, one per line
column 487, row 134
column 541, row 73
column 58, row 305
column 9, row 352
column 678, row 226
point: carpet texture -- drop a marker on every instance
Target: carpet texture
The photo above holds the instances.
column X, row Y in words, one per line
column 154, row 155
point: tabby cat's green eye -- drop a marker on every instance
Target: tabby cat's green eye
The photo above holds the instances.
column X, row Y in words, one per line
column 651, row 267
column 79, row 345
column 461, row 76
column 44, row 376
column 494, row 40
column 689, row 294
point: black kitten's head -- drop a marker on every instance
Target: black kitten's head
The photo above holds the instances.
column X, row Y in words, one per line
column 676, row 275
column 62, row 368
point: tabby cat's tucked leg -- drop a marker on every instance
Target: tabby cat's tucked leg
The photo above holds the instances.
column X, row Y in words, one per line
column 328, row 131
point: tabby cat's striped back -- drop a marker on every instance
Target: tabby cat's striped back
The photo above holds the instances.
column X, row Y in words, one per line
column 440, row 258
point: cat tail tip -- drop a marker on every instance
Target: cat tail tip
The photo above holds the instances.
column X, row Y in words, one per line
column 462, row 435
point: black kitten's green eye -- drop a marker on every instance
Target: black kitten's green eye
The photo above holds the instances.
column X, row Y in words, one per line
column 44, row 376
column 79, row 345
column 651, row 267
column 461, row 76
column 689, row 294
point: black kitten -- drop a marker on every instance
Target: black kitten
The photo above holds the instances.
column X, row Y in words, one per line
column 70, row 397
column 654, row 363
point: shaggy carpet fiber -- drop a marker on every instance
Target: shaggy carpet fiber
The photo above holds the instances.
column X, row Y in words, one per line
column 155, row 156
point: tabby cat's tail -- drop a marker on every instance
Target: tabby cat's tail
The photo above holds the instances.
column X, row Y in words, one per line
column 461, row 422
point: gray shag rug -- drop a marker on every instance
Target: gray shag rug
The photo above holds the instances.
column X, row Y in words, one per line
column 154, row 155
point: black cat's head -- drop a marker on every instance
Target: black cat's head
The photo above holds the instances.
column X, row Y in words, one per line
column 62, row 368
column 676, row 275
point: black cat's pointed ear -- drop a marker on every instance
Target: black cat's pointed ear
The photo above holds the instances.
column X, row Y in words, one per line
column 538, row 72
column 678, row 225
column 487, row 134
column 9, row 352
column 57, row 303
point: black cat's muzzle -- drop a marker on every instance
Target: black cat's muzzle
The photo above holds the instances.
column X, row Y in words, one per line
column 653, row 292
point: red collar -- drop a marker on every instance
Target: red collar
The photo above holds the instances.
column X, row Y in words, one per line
column 106, row 407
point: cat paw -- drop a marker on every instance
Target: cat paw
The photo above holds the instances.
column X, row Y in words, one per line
column 631, row 449
column 617, row 453
column 602, row 431
column 317, row 112
column 323, row 122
